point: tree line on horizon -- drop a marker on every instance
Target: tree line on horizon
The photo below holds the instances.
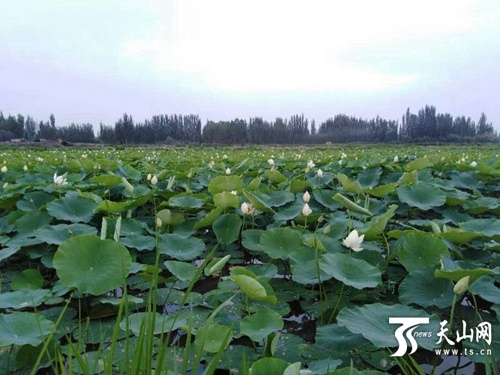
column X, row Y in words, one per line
column 424, row 126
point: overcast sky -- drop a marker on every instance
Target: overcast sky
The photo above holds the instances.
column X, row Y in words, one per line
column 93, row 60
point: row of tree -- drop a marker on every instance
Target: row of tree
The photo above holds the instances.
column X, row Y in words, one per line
column 425, row 126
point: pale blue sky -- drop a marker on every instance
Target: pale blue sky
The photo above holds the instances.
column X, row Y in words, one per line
column 91, row 61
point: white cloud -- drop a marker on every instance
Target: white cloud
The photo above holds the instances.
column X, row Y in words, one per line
column 269, row 46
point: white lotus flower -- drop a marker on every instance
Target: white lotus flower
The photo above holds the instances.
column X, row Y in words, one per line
column 4, row 169
column 234, row 192
column 154, row 180
column 149, row 176
column 271, row 162
column 319, row 173
column 306, row 210
column 60, row 180
column 306, row 197
column 25, row 168
column 247, row 208
column 462, row 285
column 353, row 241
column 473, row 164
column 228, row 171
column 343, row 156
column 396, row 159
column 159, row 223
column 310, row 164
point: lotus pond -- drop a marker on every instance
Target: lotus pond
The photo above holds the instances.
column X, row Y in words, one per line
column 205, row 260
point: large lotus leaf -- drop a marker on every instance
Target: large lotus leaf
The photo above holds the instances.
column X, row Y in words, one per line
column 422, row 196
column 349, row 185
column 209, row 219
column 139, row 242
column 23, row 328
column 486, row 227
column 34, row 200
column 213, row 338
column 169, row 217
column 92, row 265
column 252, row 286
column 350, row 205
column 275, row 176
column 372, row 321
column 181, row 247
column 257, row 326
column 269, row 366
column 420, row 251
column 145, row 320
column 324, row 196
column 250, row 239
column 185, row 202
column 57, row 234
column 258, row 203
column 279, row 243
column 32, row 221
column 456, row 270
column 182, row 270
column 486, row 288
column 72, row 208
column 377, row 224
column 225, row 183
column 382, row 190
column 28, row 279
column 305, row 267
column 418, row 164
column 108, row 180
column 369, row 177
column 128, row 171
column 116, row 207
column 226, row 199
column 227, row 228
column 23, row 298
column 8, row 251
column 338, row 339
column 279, row 198
column 351, row 271
column 422, row 288
column 289, row 212
column 299, row 186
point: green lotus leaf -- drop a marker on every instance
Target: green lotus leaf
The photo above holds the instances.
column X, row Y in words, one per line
column 209, row 219
column 486, row 227
column 422, row 288
column 226, row 199
column 382, row 190
column 418, row 164
column 227, row 228
column 181, row 247
column 279, row 243
column 372, row 322
column 269, row 366
column 351, row 271
column 31, row 221
column 139, row 242
column 185, row 202
column 369, row 177
column 21, row 299
column 153, row 321
column 260, row 324
column 213, row 338
column 250, row 239
column 23, row 328
column 258, row 203
column 34, row 200
column 72, row 207
column 57, row 234
column 108, row 180
column 422, row 196
column 275, row 176
column 419, row 251
column 225, row 183
column 92, row 265
column 182, row 270
column 28, row 279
